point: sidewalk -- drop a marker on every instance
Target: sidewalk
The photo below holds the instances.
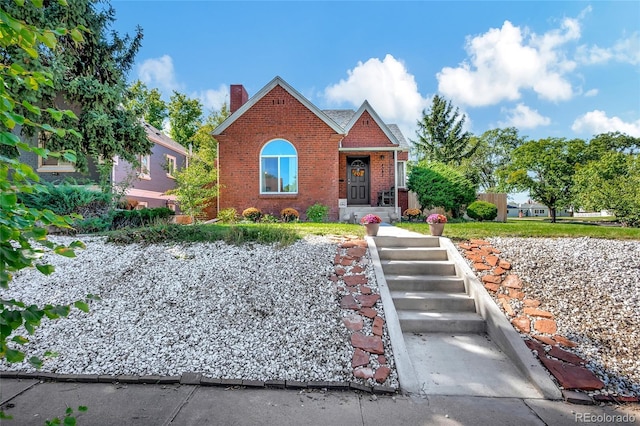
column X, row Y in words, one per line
column 31, row 402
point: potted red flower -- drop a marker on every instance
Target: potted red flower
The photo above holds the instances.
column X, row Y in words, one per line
column 436, row 223
column 372, row 223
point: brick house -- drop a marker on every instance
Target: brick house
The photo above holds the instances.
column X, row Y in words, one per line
column 278, row 150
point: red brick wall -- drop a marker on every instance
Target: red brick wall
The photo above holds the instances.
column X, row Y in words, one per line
column 366, row 133
column 279, row 115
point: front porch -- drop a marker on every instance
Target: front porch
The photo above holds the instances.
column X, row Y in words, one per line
column 353, row 214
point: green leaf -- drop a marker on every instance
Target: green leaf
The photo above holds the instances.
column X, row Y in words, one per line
column 8, row 201
column 37, row 3
column 55, row 114
column 65, row 251
column 45, row 269
column 12, row 355
column 8, row 138
column 83, row 408
column 36, row 362
column 69, row 421
column 76, row 35
column 34, row 109
column 20, row 340
column 82, row 306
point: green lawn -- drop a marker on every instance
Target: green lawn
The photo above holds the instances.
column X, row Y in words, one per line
column 533, row 227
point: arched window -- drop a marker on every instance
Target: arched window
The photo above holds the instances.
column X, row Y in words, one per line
column 278, row 168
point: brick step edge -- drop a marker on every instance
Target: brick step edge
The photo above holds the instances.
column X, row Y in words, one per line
column 197, row 379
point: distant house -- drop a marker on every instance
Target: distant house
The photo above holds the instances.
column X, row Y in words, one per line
column 531, row 209
column 278, row 150
column 145, row 184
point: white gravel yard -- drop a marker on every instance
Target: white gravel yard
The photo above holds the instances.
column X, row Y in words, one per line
column 255, row 312
column 592, row 287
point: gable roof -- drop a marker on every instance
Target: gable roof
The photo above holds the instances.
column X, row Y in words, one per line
column 277, row 81
column 156, row 136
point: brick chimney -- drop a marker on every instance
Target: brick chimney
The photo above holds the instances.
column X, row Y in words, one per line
column 238, row 97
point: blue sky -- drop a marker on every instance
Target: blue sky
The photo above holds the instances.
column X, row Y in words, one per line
column 550, row 68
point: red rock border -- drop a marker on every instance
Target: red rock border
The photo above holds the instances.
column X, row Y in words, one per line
column 363, row 312
column 537, row 325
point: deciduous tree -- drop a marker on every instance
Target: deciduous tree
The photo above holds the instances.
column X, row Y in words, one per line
column 545, row 168
column 23, row 230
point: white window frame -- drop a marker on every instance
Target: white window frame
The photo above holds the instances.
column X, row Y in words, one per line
column 142, row 172
column 61, row 166
column 279, row 156
column 142, row 205
column 401, row 172
column 172, row 166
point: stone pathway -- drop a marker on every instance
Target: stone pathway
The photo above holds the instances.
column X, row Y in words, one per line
column 363, row 316
column 535, row 324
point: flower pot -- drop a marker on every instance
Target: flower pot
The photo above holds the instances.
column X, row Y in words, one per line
column 436, row 228
column 372, row 229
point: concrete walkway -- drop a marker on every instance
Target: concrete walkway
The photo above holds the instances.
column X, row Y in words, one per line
column 31, row 402
column 464, row 364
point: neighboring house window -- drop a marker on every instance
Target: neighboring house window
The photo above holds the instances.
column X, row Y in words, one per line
column 52, row 164
column 401, row 173
column 172, row 166
column 142, row 205
column 278, row 168
column 145, row 167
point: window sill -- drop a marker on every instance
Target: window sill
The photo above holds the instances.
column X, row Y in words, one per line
column 279, row 195
column 56, row 169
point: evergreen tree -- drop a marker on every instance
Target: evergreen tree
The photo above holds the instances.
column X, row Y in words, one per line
column 440, row 135
column 89, row 78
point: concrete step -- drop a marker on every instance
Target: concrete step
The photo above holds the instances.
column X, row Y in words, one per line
column 440, row 322
column 425, row 241
column 418, row 267
column 412, row 253
column 433, row 301
column 403, row 282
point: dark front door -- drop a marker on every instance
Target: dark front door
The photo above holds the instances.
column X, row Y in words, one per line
column 357, row 181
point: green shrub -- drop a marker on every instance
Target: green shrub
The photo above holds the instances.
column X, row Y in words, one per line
column 289, row 215
column 318, row 213
column 482, row 210
column 440, row 185
column 229, row 215
column 65, row 199
column 231, row 234
column 269, row 218
column 253, row 214
column 92, row 225
column 139, row 218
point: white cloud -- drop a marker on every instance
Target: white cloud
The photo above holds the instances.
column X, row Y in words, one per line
column 596, row 122
column 213, row 99
column 591, row 93
column 625, row 50
column 159, row 72
column 505, row 61
column 523, row 117
column 390, row 89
